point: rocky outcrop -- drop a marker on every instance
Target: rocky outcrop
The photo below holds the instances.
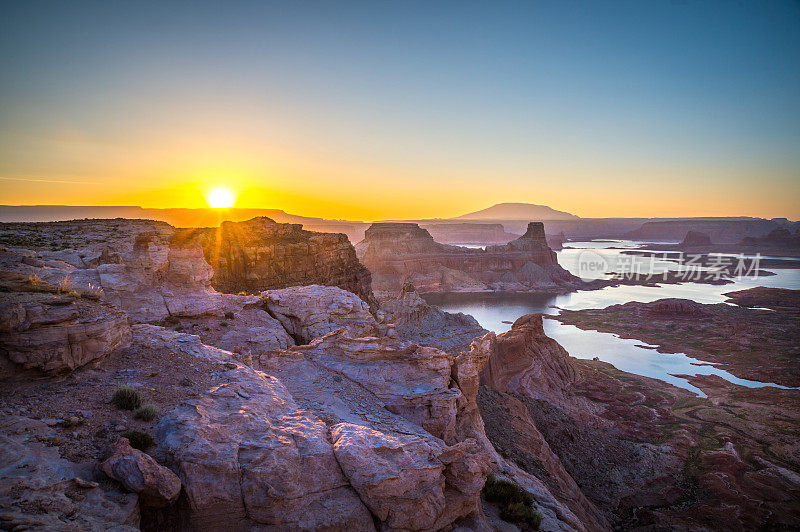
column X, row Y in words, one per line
column 393, row 407
column 779, row 299
column 721, row 231
column 408, row 483
column 47, row 331
column 39, row 490
column 156, row 485
column 261, row 254
column 309, row 312
column 777, row 239
column 248, row 456
column 525, row 361
column 133, row 263
column 676, row 309
column 399, row 252
column 412, row 319
column 304, row 445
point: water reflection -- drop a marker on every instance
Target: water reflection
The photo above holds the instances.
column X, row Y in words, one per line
column 496, row 312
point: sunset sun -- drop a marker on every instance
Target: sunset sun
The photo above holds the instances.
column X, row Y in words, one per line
column 220, row 198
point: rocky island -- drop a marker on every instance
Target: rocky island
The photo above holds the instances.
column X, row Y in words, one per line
column 396, row 253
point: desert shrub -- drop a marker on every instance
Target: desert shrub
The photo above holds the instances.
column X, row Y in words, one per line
column 223, row 324
column 229, row 315
column 504, row 491
column 139, row 440
column 515, row 503
column 146, row 412
column 519, row 512
column 126, row 398
column 65, row 287
column 93, row 292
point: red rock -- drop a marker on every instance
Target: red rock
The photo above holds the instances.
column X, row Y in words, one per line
column 156, row 485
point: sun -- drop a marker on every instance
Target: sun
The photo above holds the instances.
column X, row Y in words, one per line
column 220, row 198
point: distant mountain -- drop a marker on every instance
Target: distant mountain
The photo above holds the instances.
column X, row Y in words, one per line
column 518, row 211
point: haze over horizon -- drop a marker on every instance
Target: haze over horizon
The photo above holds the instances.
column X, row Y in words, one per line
column 406, row 111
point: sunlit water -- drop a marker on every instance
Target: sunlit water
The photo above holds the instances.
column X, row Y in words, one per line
column 496, row 312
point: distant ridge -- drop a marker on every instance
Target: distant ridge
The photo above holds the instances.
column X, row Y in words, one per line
column 517, row 211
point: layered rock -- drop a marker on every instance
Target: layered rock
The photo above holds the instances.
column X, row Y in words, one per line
column 412, row 319
column 299, row 448
column 399, row 252
column 469, row 233
column 47, row 331
column 134, row 264
column 248, row 456
column 525, row 361
column 261, row 254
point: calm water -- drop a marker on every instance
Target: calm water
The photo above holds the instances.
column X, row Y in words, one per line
column 495, row 312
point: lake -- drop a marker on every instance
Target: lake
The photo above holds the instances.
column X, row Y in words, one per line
column 494, row 311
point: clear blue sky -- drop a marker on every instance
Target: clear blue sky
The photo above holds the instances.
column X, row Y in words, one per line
column 405, row 109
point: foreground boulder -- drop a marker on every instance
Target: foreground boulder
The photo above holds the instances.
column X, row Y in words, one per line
column 248, row 456
column 308, row 312
column 407, row 483
column 156, row 485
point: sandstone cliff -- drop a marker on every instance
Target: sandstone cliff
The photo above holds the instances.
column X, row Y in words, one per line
column 261, row 254
column 399, row 252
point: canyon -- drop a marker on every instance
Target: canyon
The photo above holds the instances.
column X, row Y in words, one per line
column 292, row 387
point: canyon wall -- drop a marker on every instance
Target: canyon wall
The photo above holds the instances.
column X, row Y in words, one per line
column 399, row 252
column 261, row 254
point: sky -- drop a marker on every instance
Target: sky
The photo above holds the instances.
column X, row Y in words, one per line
column 371, row 110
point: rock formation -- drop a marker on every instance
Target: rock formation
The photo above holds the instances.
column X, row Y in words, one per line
column 309, row 312
column 303, row 408
column 39, row 490
column 528, row 362
column 51, row 331
column 261, row 254
column 412, row 319
column 156, row 485
column 695, row 239
column 780, row 240
column 400, row 252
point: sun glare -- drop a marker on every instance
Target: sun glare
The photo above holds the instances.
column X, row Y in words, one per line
column 220, row 198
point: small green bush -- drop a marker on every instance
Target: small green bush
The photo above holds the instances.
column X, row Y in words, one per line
column 146, row 412
column 515, row 503
column 139, row 440
column 229, row 315
column 505, row 492
column 223, row 324
column 518, row 512
column 126, row 398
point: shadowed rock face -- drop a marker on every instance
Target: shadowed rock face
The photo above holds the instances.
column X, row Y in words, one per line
column 695, row 238
column 399, row 252
column 261, row 254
